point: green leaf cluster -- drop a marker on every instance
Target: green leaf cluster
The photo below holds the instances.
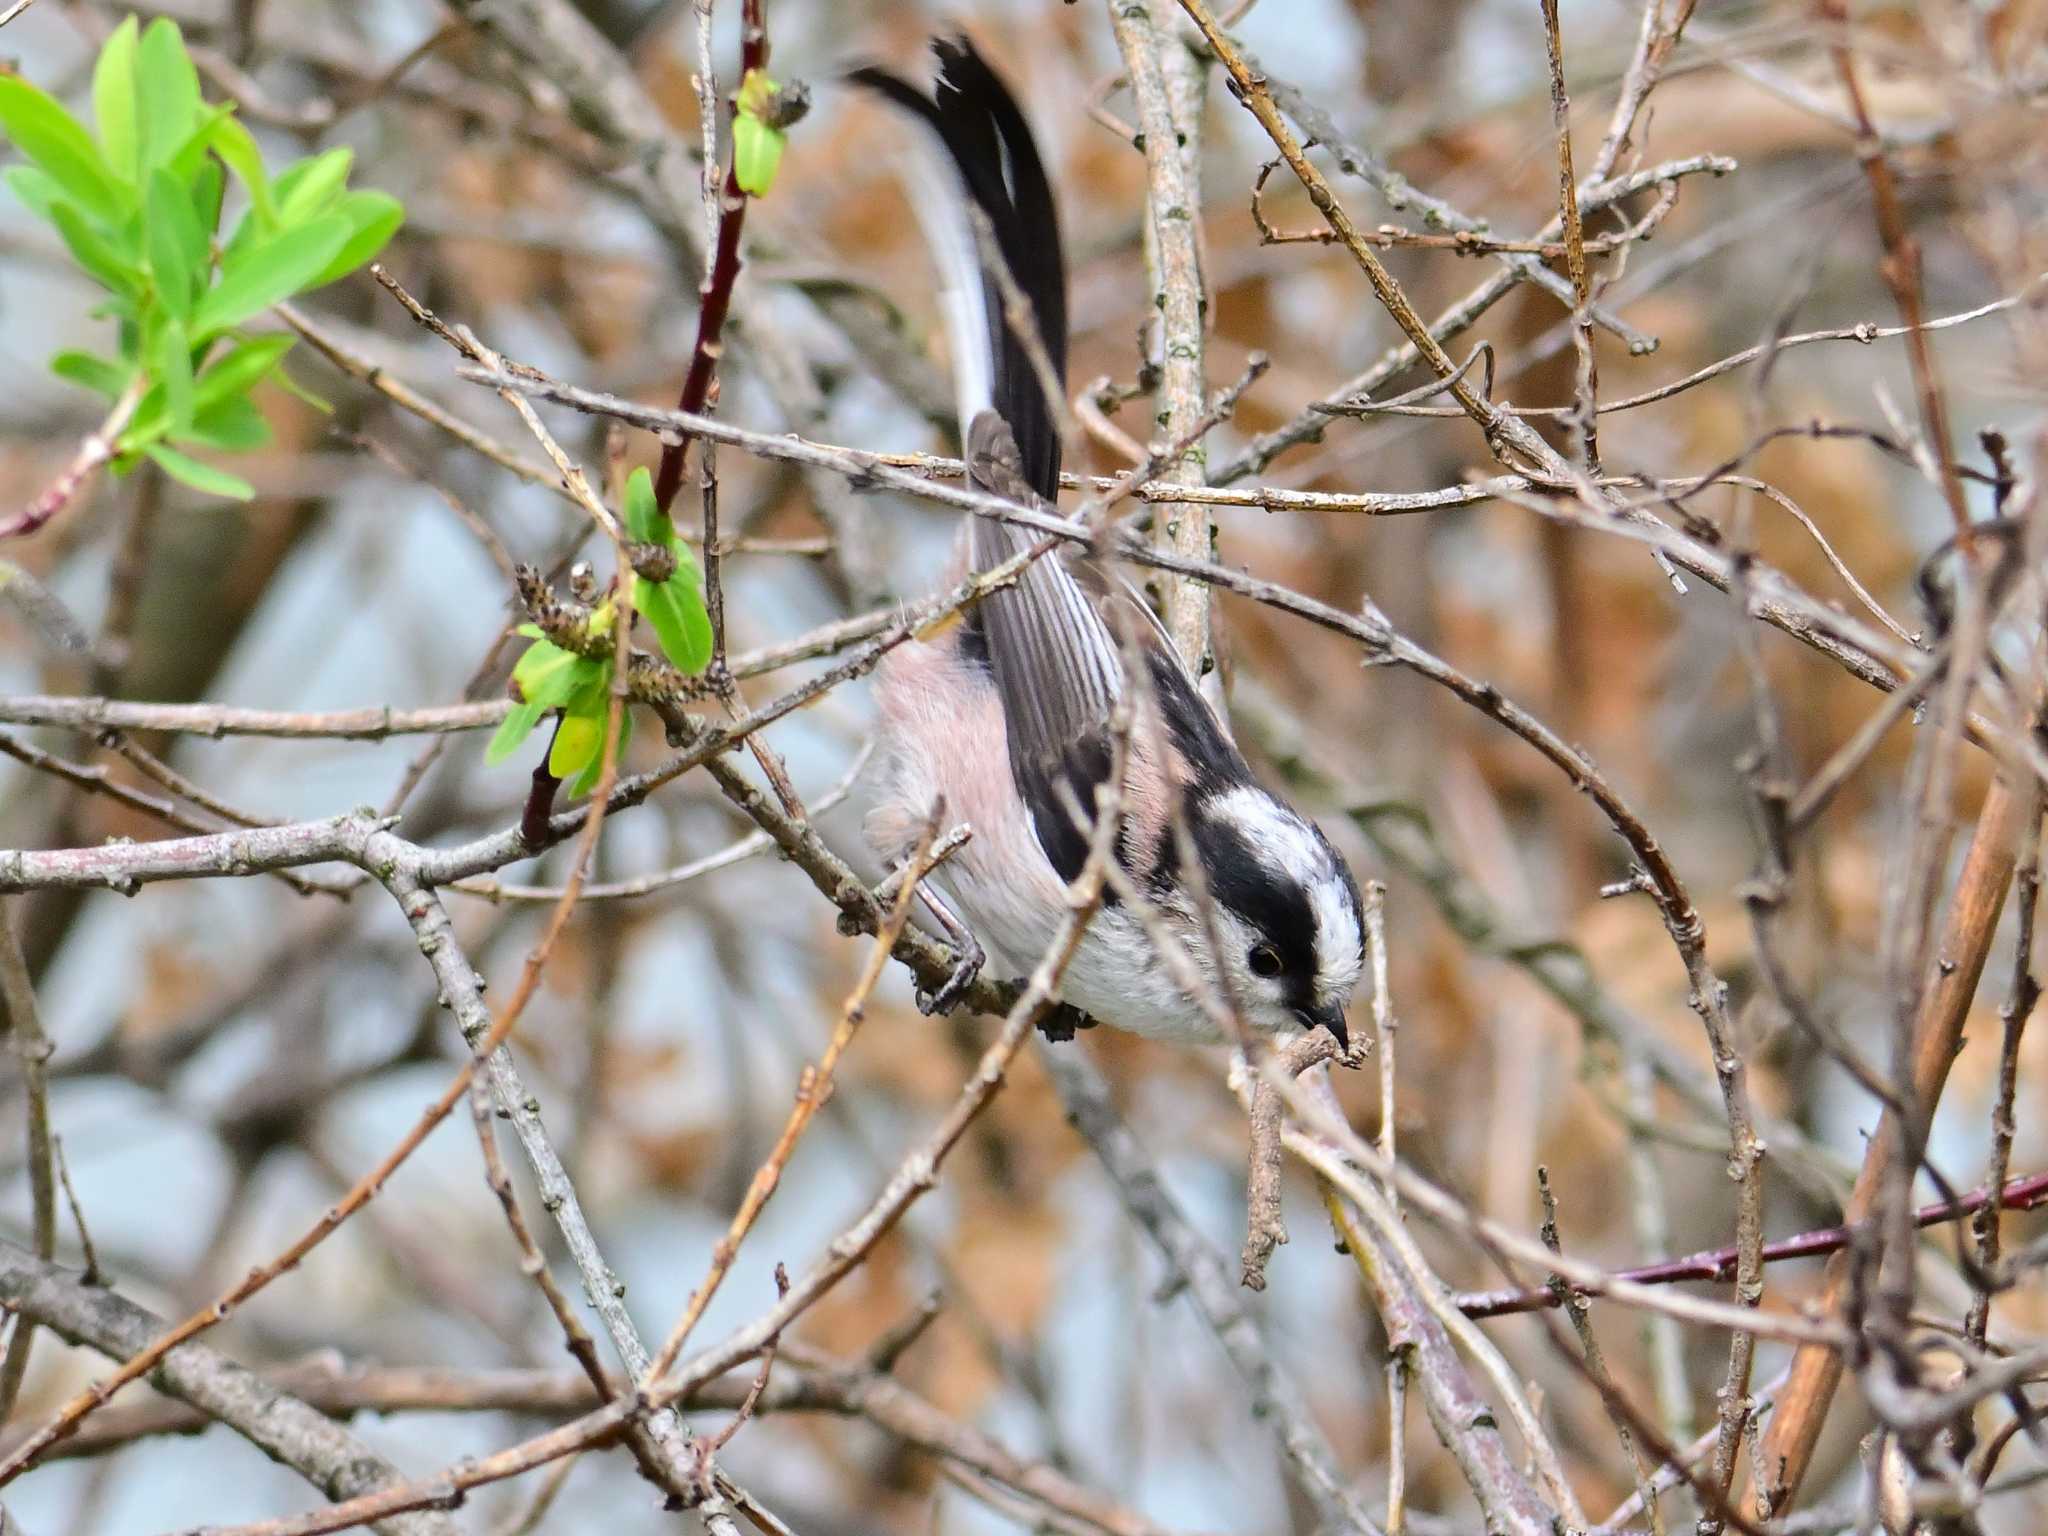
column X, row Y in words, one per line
column 138, row 205
column 549, row 678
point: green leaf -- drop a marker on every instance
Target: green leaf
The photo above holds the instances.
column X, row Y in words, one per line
column 580, row 736
column 168, row 89
column 115, row 105
column 513, row 730
column 185, row 158
column 93, row 251
column 38, row 192
column 373, row 218
column 178, row 250
column 52, row 139
column 253, row 279
column 232, row 426
column 586, row 781
column 577, row 754
column 209, row 191
column 756, row 154
column 171, row 358
column 237, row 148
column 644, row 520
column 307, row 187
column 240, row 370
column 201, row 477
column 95, row 373
column 688, row 572
column 549, row 676
column 680, row 623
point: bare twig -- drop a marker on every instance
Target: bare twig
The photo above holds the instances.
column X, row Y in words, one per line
column 532, row 1262
column 97, row 450
column 1586, row 407
column 1965, row 941
column 1462, row 1421
column 298, row 1436
column 721, row 274
column 1581, row 1316
column 32, row 1049
column 813, row 1088
column 2025, row 1193
column 1202, row 1269
column 2021, row 996
column 1900, row 267
column 1166, row 85
column 408, row 886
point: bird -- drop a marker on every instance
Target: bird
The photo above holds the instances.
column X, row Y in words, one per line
column 1008, row 717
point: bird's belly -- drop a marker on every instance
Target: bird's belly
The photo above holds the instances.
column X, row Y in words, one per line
column 1116, row 977
column 942, row 736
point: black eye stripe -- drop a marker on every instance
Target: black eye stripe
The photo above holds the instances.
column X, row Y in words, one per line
column 1274, row 907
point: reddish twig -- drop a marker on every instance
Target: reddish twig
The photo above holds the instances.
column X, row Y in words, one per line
column 2021, row 1194
column 719, row 281
column 98, row 449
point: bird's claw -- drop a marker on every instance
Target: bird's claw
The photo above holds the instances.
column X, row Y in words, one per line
column 954, row 988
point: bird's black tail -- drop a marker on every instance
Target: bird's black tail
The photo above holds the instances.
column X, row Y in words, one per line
column 990, row 145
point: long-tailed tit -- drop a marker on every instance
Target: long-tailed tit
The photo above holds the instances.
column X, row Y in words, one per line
column 1007, row 715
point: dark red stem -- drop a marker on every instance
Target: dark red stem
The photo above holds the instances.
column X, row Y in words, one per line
column 716, row 292
column 716, row 296
column 540, row 799
column 2021, row 1194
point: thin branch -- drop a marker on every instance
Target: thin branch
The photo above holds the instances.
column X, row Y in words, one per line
column 722, row 269
column 2022, row 994
column 99, row 781
column 1167, row 86
column 1777, row 600
column 373, row 723
column 1581, row 1316
column 2025, row 1193
column 1586, row 406
column 814, row 1086
column 1900, row 267
column 406, row 886
column 532, row 1262
column 917, row 1174
column 284, row 1428
column 1463, row 1422
column 1273, row 1398
column 32, row 1049
column 97, row 450
column 1455, row 1216
column 1965, row 941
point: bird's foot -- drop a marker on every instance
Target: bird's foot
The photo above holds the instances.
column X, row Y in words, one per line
column 955, row 986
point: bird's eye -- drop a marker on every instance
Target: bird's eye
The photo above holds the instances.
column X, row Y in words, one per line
column 1265, row 960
